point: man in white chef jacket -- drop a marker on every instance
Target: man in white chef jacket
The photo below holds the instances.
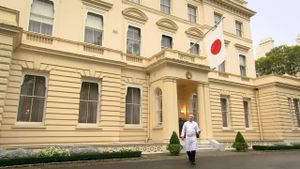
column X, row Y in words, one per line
column 189, row 133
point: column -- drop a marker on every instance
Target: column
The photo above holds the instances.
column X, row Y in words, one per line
column 10, row 37
column 204, row 111
column 170, row 107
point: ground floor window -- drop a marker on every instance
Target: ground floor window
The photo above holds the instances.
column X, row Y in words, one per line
column 297, row 111
column 247, row 113
column 89, row 99
column 225, row 111
column 159, row 112
column 133, row 105
column 32, row 99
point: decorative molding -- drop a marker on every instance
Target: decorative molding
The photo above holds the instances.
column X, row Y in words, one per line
column 167, row 24
column 227, row 42
column 135, row 15
column 194, row 33
column 98, row 4
column 242, row 47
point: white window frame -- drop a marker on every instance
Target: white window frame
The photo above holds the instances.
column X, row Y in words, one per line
column 172, row 44
column 135, row 1
column 91, row 80
column 249, row 113
column 33, row 73
column 246, row 71
column 137, row 25
column 160, row 9
column 140, row 125
column 96, row 11
column 93, row 13
column 158, row 123
column 188, row 14
column 199, row 50
column 228, row 127
column 236, row 30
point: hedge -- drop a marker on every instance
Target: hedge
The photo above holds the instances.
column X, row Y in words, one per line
column 276, row 147
column 96, row 156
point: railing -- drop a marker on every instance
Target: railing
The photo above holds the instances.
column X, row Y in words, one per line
column 93, row 49
column 39, row 38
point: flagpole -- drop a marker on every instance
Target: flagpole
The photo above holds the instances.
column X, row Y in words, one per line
column 212, row 28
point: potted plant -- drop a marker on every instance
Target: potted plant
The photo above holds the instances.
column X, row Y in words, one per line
column 174, row 146
column 240, row 143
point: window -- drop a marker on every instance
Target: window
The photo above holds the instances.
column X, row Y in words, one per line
column 133, row 41
column 158, row 98
column 165, row 6
column 297, row 110
column 247, row 113
column 133, row 105
column 41, row 17
column 32, row 99
column 221, row 67
column 166, row 42
column 93, row 29
column 218, row 17
column 195, row 48
column 225, row 111
column 194, row 106
column 192, row 13
column 243, row 65
column 135, row 1
column 238, row 27
column 89, row 99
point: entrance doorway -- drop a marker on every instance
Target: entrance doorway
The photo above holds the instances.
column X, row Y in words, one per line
column 187, row 101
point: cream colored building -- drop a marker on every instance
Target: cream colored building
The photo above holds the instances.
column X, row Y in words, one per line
column 118, row 72
column 264, row 47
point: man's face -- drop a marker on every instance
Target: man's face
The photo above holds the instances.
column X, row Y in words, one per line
column 191, row 118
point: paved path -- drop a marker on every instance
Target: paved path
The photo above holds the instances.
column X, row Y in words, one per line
column 217, row 160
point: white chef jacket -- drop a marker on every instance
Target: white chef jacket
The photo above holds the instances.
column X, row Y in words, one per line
column 189, row 130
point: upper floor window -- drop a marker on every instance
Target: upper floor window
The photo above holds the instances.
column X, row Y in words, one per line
column 165, row 6
column 133, row 106
column 89, row 99
column 217, row 17
column 243, row 70
column 159, row 112
column 32, row 99
column 41, row 17
column 135, row 1
column 194, row 48
column 192, row 13
column 247, row 113
column 166, row 42
column 221, row 67
column 297, row 110
column 134, row 41
column 225, row 111
column 238, row 28
column 93, row 29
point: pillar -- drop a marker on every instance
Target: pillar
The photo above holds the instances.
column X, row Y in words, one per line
column 204, row 112
column 170, row 107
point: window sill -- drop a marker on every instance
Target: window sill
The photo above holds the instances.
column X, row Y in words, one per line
column 158, row 128
column 88, row 127
column 28, row 126
column 133, row 127
column 250, row 130
column 227, row 129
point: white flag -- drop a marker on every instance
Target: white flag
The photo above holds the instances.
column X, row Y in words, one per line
column 214, row 42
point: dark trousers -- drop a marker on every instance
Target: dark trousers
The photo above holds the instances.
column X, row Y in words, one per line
column 191, row 155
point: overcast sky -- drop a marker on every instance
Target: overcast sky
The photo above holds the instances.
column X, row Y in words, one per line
column 277, row 19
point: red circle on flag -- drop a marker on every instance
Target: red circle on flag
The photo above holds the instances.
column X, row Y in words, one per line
column 216, row 47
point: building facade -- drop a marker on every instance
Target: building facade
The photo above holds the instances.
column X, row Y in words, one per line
column 120, row 73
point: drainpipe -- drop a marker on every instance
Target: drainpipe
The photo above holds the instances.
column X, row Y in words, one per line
column 149, row 117
column 261, row 138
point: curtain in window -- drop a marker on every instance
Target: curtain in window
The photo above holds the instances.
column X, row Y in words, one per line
column 192, row 12
column 166, row 42
column 243, row 65
column 133, row 106
column 165, row 6
column 224, row 111
column 158, row 96
column 32, row 99
column 218, row 17
column 297, row 110
column 133, row 41
column 195, row 49
column 88, row 108
column 94, row 29
column 246, row 113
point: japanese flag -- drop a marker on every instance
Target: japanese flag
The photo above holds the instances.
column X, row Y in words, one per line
column 214, row 42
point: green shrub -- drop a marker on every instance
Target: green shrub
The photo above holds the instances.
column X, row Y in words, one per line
column 275, row 147
column 240, row 143
column 53, row 152
column 104, row 155
column 174, row 146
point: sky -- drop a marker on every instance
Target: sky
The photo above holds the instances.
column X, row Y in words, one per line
column 279, row 19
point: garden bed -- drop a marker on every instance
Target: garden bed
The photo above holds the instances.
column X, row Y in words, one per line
column 276, row 147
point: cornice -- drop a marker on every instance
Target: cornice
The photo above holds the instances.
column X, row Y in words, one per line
column 167, row 24
column 135, row 14
column 242, row 47
column 231, row 83
column 12, row 31
column 279, row 84
column 98, row 4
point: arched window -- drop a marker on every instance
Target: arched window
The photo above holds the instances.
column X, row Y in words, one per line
column 158, row 107
column 41, row 17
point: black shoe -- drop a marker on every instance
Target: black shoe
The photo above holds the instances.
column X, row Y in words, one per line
column 193, row 163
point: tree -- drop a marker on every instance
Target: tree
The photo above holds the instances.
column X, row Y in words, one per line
column 240, row 143
column 280, row 60
column 174, row 146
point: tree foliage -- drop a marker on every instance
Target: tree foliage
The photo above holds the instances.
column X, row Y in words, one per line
column 240, row 143
column 280, row 60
